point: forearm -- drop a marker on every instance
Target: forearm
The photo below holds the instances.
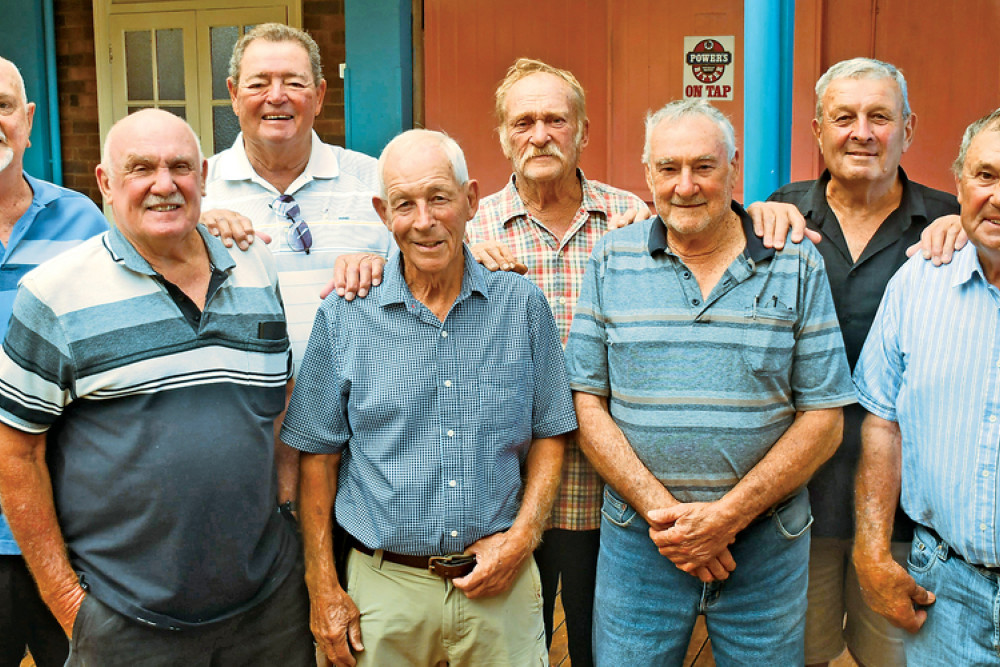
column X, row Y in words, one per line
column 26, row 496
column 317, row 490
column 877, row 485
column 608, row 450
column 543, row 470
column 811, row 439
column 286, row 459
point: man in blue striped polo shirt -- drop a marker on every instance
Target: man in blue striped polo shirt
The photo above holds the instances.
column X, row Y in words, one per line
column 929, row 376
column 38, row 221
column 139, row 383
column 709, row 374
column 433, row 415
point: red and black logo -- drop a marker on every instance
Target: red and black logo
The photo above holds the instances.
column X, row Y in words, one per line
column 708, row 60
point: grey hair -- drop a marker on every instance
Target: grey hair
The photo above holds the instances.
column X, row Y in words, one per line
column 106, row 151
column 18, row 80
column 861, row 68
column 678, row 109
column 456, row 157
column 990, row 121
column 276, row 32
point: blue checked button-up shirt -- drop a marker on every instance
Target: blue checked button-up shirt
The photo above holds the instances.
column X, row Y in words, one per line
column 932, row 364
column 434, row 419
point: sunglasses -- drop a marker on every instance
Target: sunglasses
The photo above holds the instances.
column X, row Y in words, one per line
column 297, row 235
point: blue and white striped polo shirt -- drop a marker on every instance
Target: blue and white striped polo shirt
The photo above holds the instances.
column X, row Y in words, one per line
column 159, row 429
column 702, row 388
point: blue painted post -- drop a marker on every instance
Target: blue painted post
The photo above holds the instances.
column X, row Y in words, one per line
column 768, row 47
column 378, row 81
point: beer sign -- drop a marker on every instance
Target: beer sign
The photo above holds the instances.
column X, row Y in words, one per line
column 708, row 67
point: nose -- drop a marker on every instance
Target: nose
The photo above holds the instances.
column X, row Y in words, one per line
column 862, row 129
column 276, row 91
column 423, row 218
column 686, row 187
column 163, row 182
column 539, row 133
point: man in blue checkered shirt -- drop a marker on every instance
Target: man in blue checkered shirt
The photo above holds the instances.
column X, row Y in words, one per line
column 432, row 414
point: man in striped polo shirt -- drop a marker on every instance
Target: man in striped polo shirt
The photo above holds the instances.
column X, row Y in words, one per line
column 38, row 220
column 929, row 377
column 139, row 384
column 709, row 375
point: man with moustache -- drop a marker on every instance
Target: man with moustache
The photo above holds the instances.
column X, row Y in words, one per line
column 708, row 374
column 149, row 523
column 927, row 376
column 868, row 213
column 38, row 220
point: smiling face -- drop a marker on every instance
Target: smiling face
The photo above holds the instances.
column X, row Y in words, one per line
column 979, row 194
column 862, row 133
column 152, row 178
column 276, row 98
column 689, row 175
column 541, row 133
column 426, row 209
column 15, row 118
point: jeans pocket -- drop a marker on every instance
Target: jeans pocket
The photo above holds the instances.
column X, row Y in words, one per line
column 923, row 553
column 794, row 517
column 616, row 510
column 78, row 622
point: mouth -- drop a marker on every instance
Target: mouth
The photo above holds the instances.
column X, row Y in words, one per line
column 428, row 245
column 277, row 116
column 163, row 208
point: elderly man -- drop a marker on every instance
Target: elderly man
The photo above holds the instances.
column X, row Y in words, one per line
column 312, row 199
column 149, row 523
column 928, row 377
column 38, row 220
column 706, row 399
column 868, row 212
column 433, row 412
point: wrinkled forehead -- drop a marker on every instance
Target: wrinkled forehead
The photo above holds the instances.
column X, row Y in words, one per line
column 857, row 90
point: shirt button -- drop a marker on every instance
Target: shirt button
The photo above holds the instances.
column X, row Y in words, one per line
column 444, row 334
column 447, row 383
column 686, row 274
column 454, row 533
column 197, row 317
column 451, row 433
column 993, row 418
column 986, row 473
column 562, row 300
column 695, row 302
column 982, row 526
column 453, row 483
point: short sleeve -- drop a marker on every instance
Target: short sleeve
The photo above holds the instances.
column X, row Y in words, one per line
column 586, row 351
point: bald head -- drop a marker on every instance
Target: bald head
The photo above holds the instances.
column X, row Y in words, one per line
column 7, row 68
column 142, row 122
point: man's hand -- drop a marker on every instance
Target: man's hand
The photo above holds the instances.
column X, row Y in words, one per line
column 354, row 274
column 772, row 220
column 231, row 226
column 496, row 256
column 940, row 240
column 66, row 606
column 618, row 220
column 891, row 592
column 498, row 560
column 336, row 624
column 695, row 538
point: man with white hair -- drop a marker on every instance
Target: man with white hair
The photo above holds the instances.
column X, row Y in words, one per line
column 868, row 213
column 708, row 374
column 433, row 415
column 38, row 220
column 149, row 522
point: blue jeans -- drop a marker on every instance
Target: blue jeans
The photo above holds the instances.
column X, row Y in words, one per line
column 645, row 608
column 963, row 623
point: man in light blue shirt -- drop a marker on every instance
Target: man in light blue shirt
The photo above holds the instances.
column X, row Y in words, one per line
column 433, row 413
column 929, row 375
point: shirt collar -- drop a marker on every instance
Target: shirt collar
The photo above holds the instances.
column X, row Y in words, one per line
column 911, row 205
column 755, row 248
column 123, row 252
column 323, row 164
column 511, row 205
column 395, row 290
column 43, row 192
column 966, row 266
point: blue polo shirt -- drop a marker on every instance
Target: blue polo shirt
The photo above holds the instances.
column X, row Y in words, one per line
column 702, row 388
column 434, row 419
column 56, row 220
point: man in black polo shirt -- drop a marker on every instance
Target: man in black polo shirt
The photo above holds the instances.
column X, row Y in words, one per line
column 868, row 213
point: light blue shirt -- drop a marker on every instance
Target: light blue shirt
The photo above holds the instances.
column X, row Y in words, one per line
column 434, row 419
column 932, row 364
column 56, row 220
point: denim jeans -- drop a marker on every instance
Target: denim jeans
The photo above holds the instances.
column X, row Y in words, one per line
column 963, row 623
column 645, row 608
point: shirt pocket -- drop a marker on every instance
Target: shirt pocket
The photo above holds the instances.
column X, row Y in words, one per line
column 505, row 393
column 769, row 339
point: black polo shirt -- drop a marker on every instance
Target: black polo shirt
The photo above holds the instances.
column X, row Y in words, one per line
column 857, row 289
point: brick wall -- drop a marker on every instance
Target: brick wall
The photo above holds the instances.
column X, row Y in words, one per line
column 76, row 68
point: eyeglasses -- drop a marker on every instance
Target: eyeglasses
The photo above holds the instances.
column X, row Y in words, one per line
column 298, row 236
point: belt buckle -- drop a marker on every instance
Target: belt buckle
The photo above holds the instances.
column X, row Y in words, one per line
column 452, row 565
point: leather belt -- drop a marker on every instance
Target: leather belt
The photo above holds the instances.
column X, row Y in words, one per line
column 447, row 567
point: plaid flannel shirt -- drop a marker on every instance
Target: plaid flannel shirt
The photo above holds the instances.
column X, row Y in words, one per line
column 557, row 267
